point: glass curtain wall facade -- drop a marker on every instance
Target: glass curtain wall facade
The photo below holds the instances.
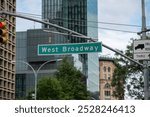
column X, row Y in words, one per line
column 75, row 15
column 26, row 53
column 21, row 68
column 93, row 59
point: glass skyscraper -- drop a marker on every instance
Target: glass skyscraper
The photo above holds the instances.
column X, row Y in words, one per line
column 79, row 16
column 93, row 60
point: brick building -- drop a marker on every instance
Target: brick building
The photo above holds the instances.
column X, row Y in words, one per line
column 107, row 68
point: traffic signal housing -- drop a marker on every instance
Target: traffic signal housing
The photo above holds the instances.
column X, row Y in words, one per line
column 3, row 32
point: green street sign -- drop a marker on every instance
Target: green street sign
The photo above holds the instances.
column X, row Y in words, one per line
column 76, row 48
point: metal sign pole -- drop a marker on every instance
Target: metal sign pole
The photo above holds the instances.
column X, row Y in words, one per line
column 145, row 62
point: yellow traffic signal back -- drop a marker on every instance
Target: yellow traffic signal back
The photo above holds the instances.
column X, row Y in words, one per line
column 3, row 33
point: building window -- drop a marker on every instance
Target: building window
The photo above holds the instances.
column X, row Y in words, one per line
column 0, row 93
column 109, row 69
column 107, row 86
column 50, row 40
column 4, row 84
column 0, row 83
column 104, row 68
column 109, row 76
column 4, row 94
column 107, row 94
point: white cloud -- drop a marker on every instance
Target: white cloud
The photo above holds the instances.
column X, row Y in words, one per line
column 31, row 7
column 116, row 40
column 118, row 11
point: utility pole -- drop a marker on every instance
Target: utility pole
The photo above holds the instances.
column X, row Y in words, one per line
column 145, row 62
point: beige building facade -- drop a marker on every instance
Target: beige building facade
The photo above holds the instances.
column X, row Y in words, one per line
column 107, row 68
column 7, row 53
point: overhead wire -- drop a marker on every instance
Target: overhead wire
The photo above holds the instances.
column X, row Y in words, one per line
column 29, row 14
column 110, row 23
column 74, row 32
column 103, row 28
column 67, row 34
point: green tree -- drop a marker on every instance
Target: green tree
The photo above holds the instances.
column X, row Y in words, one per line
column 128, row 77
column 118, row 81
column 67, row 83
column 49, row 88
column 72, row 81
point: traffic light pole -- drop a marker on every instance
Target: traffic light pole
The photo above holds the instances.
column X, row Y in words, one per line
column 69, row 32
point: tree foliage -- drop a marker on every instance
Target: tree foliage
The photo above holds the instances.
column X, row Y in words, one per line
column 67, row 83
column 128, row 77
column 119, row 77
column 49, row 88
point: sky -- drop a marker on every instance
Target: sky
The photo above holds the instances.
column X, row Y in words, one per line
column 30, row 7
column 112, row 11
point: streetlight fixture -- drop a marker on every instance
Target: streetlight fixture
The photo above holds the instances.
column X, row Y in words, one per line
column 36, row 71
